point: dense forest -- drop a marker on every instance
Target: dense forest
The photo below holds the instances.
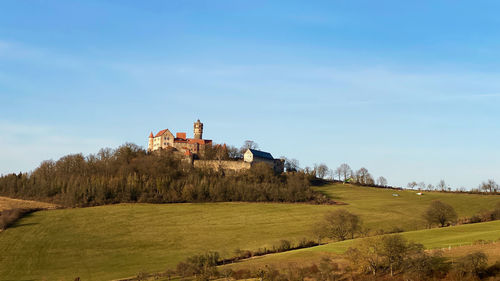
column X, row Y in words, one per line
column 130, row 174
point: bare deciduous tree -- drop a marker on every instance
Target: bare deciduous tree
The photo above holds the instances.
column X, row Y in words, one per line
column 249, row 144
column 338, row 225
column 321, row 170
column 331, row 174
column 421, row 185
column 440, row 213
column 489, row 186
column 338, row 173
column 364, row 177
column 411, row 185
column 344, row 171
column 381, row 181
column 234, row 153
column 441, row 185
column 291, row 165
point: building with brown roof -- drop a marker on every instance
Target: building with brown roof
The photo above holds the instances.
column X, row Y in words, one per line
column 164, row 139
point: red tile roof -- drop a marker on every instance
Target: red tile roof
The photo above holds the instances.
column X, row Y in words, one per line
column 181, row 135
column 151, row 135
column 162, row 132
column 199, row 141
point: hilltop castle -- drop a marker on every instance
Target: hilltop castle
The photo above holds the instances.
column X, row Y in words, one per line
column 164, row 139
column 195, row 147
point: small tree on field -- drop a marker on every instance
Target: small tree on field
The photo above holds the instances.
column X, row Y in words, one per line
column 363, row 177
column 421, row 185
column 411, row 185
column 489, row 186
column 389, row 252
column 344, row 172
column 440, row 213
column 381, row 181
column 203, row 266
column 470, row 266
column 365, row 255
column 321, row 170
column 338, row 225
column 441, row 185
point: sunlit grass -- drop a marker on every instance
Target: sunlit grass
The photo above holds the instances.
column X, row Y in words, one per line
column 107, row 242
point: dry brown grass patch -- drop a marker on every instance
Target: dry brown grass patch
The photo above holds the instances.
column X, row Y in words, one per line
column 7, row 203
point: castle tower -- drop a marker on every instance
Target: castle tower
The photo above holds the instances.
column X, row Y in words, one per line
column 198, row 130
column 150, row 143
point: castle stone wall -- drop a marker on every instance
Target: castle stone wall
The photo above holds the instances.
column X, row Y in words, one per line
column 224, row 165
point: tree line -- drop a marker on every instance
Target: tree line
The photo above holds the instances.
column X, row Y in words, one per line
column 130, row 174
column 343, row 173
column 488, row 186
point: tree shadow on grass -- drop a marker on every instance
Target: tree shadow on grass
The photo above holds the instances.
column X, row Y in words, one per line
column 15, row 220
column 16, row 225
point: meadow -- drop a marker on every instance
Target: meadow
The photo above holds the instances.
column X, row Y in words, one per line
column 379, row 209
column 455, row 241
column 116, row 241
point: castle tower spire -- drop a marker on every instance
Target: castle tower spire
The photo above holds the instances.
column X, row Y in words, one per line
column 150, row 142
column 198, row 130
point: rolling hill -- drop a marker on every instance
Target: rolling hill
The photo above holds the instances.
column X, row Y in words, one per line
column 435, row 238
column 115, row 241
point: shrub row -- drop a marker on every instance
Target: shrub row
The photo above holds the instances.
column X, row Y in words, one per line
column 9, row 217
column 483, row 216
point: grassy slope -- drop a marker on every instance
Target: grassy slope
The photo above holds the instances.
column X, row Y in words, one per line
column 109, row 242
column 430, row 238
column 379, row 209
column 10, row 203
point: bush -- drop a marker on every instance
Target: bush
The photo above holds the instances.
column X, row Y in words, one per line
column 496, row 212
column 203, row 266
column 426, row 267
column 481, row 242
column 242, row 274
column 338, row 225
column 483, row 216
column 493, row 270
column 284, row 245
column 473, row 264
column 9, row 217
column 304, row 243
column 389, row 253
column 440, row 213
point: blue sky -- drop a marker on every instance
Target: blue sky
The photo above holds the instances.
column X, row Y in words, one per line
column 410, row 91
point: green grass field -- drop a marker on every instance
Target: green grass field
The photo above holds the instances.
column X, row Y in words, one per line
column 379, row 209
column 108, row 242
column 431, row 238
